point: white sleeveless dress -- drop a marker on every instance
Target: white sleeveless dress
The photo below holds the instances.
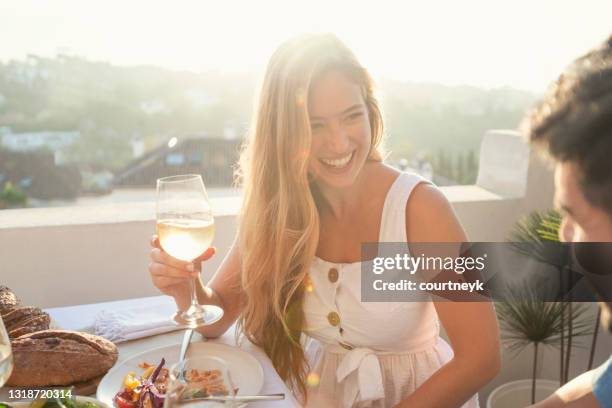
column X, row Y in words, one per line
column 369, row 354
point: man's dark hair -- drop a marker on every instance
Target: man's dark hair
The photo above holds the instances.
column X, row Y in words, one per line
column 574, row 123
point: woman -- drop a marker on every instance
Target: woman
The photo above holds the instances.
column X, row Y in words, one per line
column 315, row 189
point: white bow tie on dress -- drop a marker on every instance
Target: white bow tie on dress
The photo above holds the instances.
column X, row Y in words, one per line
column 360, row 371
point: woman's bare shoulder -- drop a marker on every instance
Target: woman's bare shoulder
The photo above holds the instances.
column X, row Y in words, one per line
column 427, row 198
column 380, row 175
column 430, row 216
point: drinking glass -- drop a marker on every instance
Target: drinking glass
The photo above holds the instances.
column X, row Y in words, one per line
column 185, row 227
column 6, row 356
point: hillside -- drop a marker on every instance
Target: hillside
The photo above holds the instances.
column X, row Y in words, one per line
column 111, row 105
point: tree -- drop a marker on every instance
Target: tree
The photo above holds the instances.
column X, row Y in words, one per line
column 12, row 196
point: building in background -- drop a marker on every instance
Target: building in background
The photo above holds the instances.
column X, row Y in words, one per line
column 213, row 158
column 38, row 176
column 52, row 141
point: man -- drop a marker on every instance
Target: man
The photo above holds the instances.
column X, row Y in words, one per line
column 573, row 126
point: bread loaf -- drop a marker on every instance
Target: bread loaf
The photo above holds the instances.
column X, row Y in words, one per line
column 18, row 313
column 24, row 320
column 31, row 325
column 59, row 357
column 8, row 300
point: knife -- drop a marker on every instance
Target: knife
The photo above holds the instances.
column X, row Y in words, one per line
column 237, row 398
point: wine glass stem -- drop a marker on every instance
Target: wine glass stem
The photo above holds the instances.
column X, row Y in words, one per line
column 194, row 292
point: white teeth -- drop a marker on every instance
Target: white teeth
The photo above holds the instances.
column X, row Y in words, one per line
column 339, row 163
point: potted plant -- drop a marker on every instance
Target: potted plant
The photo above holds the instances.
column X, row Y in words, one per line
column 541, row 229
column 527, row 318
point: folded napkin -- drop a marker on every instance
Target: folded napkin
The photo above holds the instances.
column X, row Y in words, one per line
column 136, row 321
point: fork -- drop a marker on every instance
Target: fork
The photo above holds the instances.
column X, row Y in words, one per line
column 184, row 347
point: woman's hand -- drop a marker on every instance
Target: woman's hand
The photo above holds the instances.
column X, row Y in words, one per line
column 170, row 275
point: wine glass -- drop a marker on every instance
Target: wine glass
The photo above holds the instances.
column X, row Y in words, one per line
column 6, row 356
column 185, row 227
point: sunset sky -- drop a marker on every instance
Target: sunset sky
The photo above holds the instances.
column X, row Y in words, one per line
column 522, row 43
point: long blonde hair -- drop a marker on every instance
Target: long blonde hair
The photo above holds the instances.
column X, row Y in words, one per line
column 279, row 221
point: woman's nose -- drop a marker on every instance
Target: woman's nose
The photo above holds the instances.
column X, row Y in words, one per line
column 338, row 138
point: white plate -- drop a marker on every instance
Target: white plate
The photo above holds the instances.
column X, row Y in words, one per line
column 246, row 372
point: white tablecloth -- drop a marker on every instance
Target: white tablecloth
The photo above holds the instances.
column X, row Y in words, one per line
column 82, row 318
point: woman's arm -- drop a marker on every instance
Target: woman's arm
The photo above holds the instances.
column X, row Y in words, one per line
column 471, row 326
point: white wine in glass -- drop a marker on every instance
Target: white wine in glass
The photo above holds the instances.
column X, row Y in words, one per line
column 186, row 228
column 184, row 239
column 6, row 356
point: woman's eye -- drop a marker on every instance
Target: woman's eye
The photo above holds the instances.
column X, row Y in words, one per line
column 353, row 116
column 316, row 126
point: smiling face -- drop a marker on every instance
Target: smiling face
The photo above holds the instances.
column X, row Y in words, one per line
column 582, row 222
column 341, row 133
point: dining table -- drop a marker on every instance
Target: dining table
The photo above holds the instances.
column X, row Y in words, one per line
column 82, row 318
